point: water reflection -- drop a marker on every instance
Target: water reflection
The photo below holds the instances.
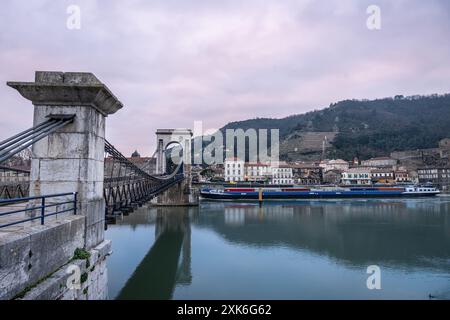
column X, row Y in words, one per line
column 282, row 249
column 158, row 273
column 413, row 233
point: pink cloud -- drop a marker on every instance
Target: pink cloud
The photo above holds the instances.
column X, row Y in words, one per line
column 174, row 62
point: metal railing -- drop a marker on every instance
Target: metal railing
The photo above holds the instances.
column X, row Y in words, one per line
column 37, row 207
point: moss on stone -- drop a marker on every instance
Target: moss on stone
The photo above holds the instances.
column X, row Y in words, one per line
column 84, row 277
column 81, row 254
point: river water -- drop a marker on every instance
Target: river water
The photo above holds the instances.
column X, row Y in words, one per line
column 284, row 250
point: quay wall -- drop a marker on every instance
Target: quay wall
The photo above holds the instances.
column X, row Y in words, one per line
column 28, row 256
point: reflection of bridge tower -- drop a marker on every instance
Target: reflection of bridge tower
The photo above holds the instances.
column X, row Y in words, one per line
column 178, row 222
column 184, row 270
column 160, row 270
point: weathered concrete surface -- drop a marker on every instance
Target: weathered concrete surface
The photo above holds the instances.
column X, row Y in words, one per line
column 72, row 158
column 70, row 88
column 95, row 287
column 33, row 253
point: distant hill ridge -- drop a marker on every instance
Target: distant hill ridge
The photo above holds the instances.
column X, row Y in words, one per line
column 360, row 128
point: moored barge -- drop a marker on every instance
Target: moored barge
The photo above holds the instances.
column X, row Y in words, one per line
column 293, row 193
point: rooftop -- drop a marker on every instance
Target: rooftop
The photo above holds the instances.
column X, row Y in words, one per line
column 234, row 159
column 380, row 158
column 382, row 170
column 256, row 164
column 358, row 170
column 338, row 161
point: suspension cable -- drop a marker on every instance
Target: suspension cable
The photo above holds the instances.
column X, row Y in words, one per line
column 24, row 139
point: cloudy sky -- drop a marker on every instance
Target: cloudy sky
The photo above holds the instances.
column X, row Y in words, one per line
column 172, row 62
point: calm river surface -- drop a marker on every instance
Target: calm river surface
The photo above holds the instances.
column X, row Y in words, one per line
column 283, row 250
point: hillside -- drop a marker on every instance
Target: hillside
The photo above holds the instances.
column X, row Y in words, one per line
column 360, row 128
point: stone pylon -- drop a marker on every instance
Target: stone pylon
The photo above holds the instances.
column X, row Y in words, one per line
column 72, row 158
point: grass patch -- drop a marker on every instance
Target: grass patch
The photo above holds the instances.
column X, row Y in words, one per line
column 81, row 254
column 84, row 277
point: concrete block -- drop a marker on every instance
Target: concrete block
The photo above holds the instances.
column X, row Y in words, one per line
column 95, row 234
column 85, row 78
column 87, row 119
column 40, row 148
column 35, row 188
column 95, row 122
column 14, row 260
column 29, row 257
column 91, row 190
column 35, row 169
column 94, row 211
column 95, row 288
column 49, row 77
column 98, row 286
column 100, row 251
column 59, row 170
column 38, row 188
column 54, row 246
column 104, row 248
column 55, row 286
column 91, row 170
column 67, row 146
column 96, row 147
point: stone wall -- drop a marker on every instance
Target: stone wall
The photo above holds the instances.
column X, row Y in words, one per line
column 93, row 281
column 28, row 256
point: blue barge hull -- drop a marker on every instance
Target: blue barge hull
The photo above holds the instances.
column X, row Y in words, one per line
column 313, row 194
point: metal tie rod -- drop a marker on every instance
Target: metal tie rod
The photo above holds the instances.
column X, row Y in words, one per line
column 19, row 142
column 21, row 134
column 26, row 134
column 33, row 135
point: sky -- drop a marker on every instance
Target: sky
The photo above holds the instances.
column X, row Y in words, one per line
column 173, row 62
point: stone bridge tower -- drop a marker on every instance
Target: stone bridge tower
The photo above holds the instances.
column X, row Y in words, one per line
column 34, row 261
column 181, row 193
column 166, row 137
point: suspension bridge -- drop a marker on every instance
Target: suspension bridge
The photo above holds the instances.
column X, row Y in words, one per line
column 78, row 181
